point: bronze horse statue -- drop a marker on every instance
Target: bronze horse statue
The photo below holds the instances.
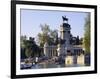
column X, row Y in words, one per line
column 64, row 18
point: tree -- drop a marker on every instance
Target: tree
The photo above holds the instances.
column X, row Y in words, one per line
column 44, row 36
column 31, row 49
column 47, row 35
column 45, row 29
column 87, row 34
column 28, row 52
column 53, row 37
column 53, row 33
column 81, row 41
column 77, row 40
column 22, row 39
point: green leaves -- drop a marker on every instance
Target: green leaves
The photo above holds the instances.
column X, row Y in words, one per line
column 31, row 49
column 47, row 35
column 28, row 52
column 87, row 34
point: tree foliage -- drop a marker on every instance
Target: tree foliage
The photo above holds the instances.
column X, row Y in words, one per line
column 87, row 34
column 30, row 48
column 47, row 35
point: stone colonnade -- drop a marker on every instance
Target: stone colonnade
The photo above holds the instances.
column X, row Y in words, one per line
column 50, row 51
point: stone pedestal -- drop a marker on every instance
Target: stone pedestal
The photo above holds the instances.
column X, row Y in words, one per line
column 69, row 60
column 81, row 60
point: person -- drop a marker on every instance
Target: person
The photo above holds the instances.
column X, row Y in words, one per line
column 36, row 60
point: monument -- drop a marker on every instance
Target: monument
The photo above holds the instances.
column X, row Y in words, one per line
column 68, row 47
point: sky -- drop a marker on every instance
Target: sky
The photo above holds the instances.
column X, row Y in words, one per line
column 31, row 20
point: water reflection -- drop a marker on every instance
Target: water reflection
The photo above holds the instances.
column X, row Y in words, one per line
column 39, row 66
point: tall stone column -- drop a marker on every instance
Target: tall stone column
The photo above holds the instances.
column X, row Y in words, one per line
column 46, row 49
column 59, row 50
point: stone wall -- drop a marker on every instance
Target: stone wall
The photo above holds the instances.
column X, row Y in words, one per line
column 70, row 60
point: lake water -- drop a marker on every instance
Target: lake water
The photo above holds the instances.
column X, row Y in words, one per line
column 39, row 66
column 56, row 65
